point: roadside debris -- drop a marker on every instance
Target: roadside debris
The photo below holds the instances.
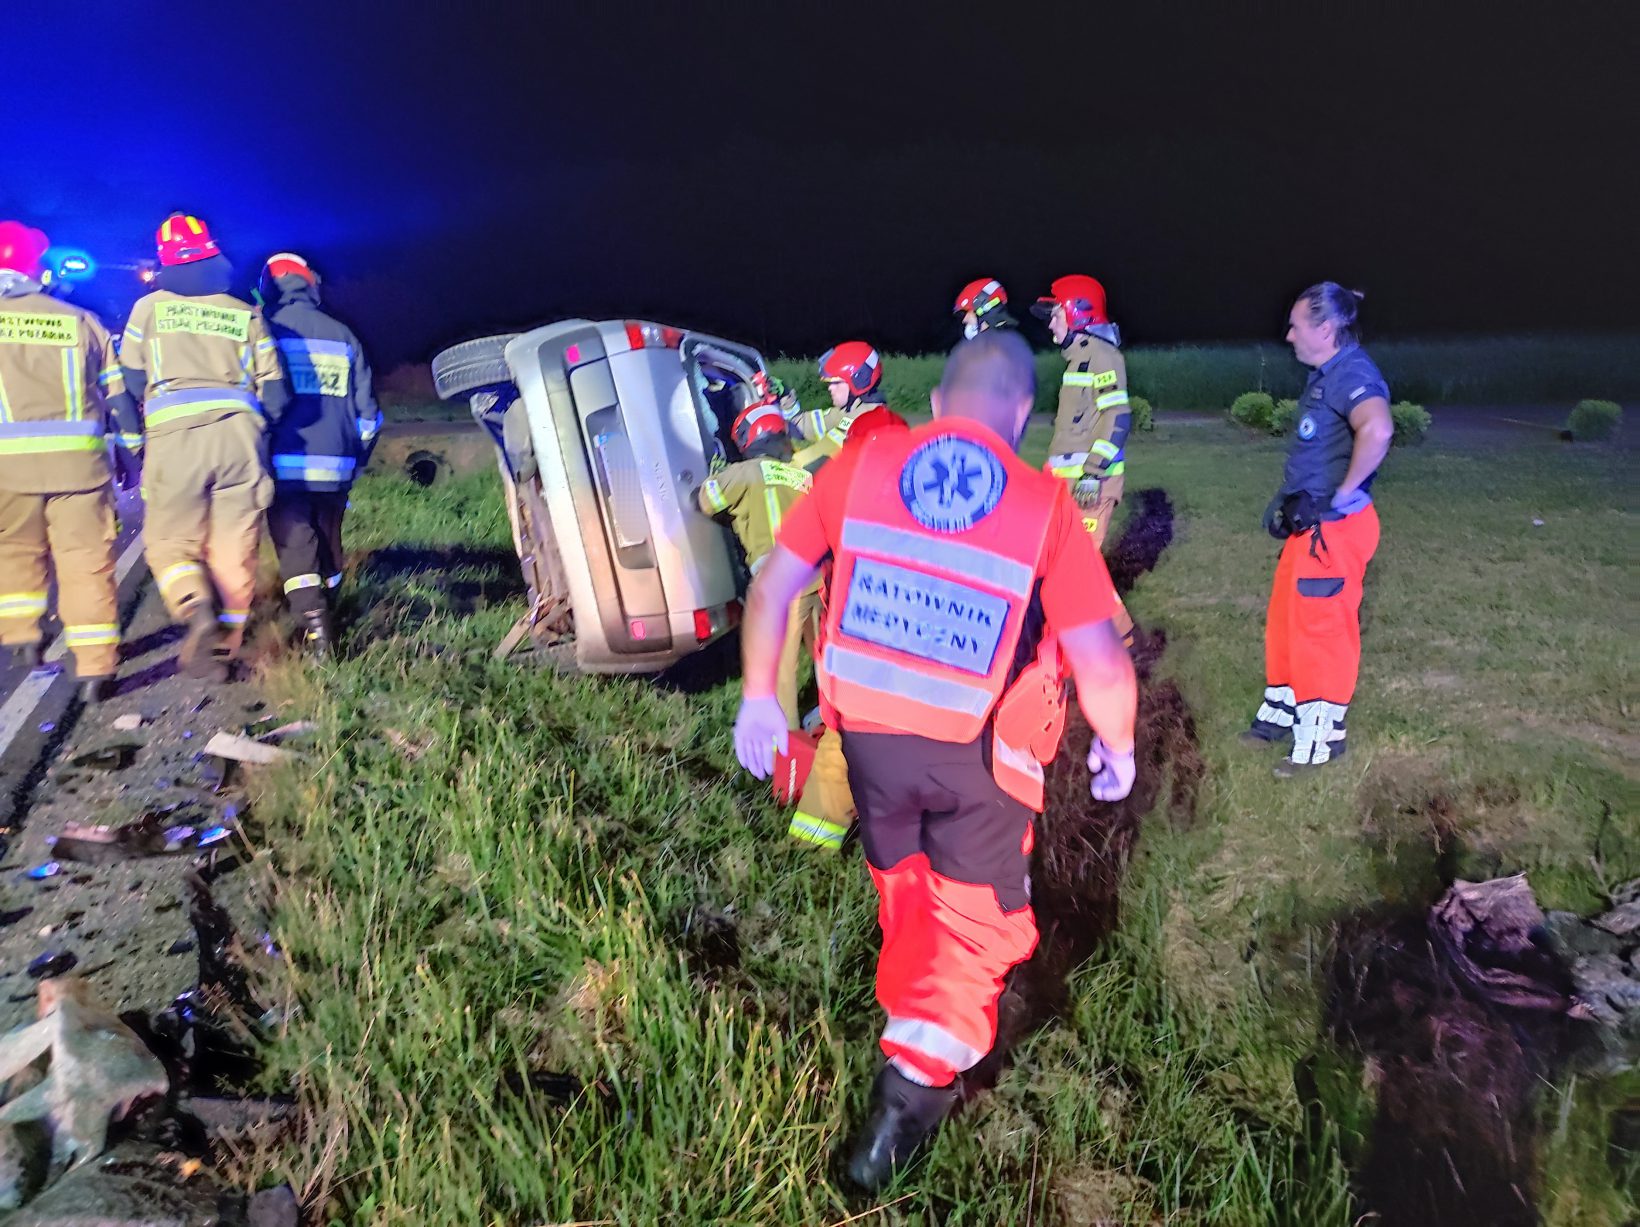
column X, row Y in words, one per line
column 128, row 723
column 41, row 872
column 116, row 756
column 51, row 963
column 95, row 1068
column 242, row 749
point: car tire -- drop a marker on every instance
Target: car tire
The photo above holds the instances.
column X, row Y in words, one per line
column 471, row 365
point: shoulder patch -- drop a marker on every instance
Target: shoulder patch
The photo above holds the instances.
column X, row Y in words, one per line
column 950, row 483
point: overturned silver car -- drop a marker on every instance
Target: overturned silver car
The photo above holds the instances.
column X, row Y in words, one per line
column 604, row 430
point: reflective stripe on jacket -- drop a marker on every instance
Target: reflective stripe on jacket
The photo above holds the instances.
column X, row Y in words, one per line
column 325, row 438
column 61, row 391
column 1091, row 428
column 932, row 581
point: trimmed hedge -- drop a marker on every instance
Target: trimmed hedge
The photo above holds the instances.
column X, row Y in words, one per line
column 1257, row 411
column 1254, row 410
column 1143, row 419
column 1595, row 420
column 1411, row 423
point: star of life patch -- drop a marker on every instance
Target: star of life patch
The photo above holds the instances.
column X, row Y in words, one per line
column 1306, row 427
column 924, row 616
column 950, row 483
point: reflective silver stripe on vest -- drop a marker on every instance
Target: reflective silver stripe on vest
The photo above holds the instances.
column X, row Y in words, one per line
column 862, row 536
column 885, row 677
column 932, row 1040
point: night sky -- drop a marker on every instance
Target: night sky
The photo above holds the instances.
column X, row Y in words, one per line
column 791, row 175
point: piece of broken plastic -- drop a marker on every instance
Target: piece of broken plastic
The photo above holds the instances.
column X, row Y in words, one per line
column 49, row 870
column 214, row 835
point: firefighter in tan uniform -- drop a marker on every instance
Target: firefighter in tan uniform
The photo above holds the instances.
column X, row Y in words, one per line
column 853, row 375
column 60, row 388
column 755, row 493
column 1090, row 431
column 211, row 376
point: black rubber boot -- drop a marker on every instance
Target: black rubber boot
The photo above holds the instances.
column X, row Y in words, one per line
column 904, row 1115
column 94, row 689
column 27, row 655
column 200, row 655
column 1261, row 734
column 317, row 640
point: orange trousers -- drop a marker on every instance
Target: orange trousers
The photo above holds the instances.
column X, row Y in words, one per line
column 949, row 853
column 1312, row 631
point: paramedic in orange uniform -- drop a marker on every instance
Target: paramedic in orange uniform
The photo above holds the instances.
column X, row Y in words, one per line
column 964, row 590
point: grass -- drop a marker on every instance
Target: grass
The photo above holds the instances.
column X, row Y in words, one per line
column 490, row 872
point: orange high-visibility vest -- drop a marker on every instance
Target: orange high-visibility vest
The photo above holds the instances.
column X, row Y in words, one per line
column 941, row 545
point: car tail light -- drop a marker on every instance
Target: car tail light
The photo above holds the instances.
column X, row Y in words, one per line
column 572, row 355
column 652, row 336
column 638, row 629
column 703, row 625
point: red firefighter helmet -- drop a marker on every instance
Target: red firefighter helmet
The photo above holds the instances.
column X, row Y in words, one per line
column 182, row 239
column 853, row 363
column 979, row 296
column 1081, row 296
column 286, row 263
column 22, row 248
column 758, row 421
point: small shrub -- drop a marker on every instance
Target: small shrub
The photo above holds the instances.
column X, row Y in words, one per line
column 1595, row 420
column 1254, row 410
column 1139, row 407
column 1283, row 417
column 1411, row 423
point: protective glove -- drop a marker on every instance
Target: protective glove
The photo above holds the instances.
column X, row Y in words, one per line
column 1112, row 772
column 1086, row 490
column 760, row 734
column 1275, row 523
column 127, row 469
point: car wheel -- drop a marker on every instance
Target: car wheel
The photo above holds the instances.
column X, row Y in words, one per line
column 471, row 365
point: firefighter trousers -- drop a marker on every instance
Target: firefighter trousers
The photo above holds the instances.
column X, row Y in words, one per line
column 825, row 811
column 76, row 532
column 1312, row 633
column 949, row 853
column 1096, row 519
column 206, row 488
column 306, row 527
column 802, row 633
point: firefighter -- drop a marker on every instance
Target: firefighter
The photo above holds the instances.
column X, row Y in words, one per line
column 60, row 390
column 320, row 444
column 817, row 782
column 756, row 492
column 963, row 587
column 853, row 374
column 1091, row 428
column 209, row 372
column 1324, row 514
column 982, row 304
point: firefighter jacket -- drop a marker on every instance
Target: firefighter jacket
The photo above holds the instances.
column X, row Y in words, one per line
column 1091, row 429
column 323, row 440
column 756, row 494
column 830, row 429
column 930, row 589
column 200, row 358
column 61, row 391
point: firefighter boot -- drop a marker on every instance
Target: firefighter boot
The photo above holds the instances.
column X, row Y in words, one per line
column 93, row 690
column 317, row 641
column 199, row 655
column 26, row 655
column 904, row 1115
